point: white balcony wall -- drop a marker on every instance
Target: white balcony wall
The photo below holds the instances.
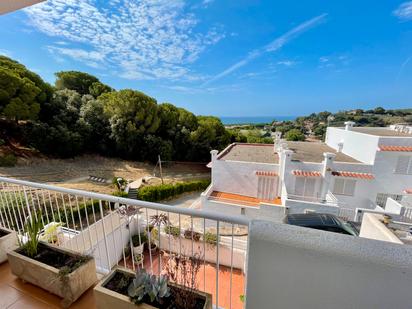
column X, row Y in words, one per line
column 299, row 207
column 238, row 177
column 294, row 267
column 355, row 144
column 263, row 212
column 205, row 251
column 116, row 240
column 373, row 228
column 7, row 6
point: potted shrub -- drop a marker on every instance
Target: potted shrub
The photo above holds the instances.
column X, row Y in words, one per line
column 123, row 288
column 189, row 234
column 62, row 272
column 210, row 238
column 8, row 242
column 172, row 230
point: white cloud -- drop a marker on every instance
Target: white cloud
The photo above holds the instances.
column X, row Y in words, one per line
column 334, row 61
column 5, row 52
column 275, row 45
column 287, row 63
column 404, row 11
column 148, row 39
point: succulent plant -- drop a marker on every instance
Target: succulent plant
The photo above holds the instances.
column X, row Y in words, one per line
column 145, row 284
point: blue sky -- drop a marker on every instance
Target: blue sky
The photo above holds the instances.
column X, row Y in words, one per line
column 226, row 58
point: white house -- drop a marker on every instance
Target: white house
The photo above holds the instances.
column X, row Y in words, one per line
column 356, row 167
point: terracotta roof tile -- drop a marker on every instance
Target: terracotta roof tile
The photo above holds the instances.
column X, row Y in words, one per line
column 395, row 148
column 300, row 173
column 266, row 173
column 365, row 176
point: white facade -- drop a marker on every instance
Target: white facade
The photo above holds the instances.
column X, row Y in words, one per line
column 354, row 168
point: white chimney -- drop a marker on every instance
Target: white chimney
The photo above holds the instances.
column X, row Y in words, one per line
column 277, row 141
column 349, row 125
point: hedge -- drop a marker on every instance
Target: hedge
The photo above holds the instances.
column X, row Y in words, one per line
column 163, row 192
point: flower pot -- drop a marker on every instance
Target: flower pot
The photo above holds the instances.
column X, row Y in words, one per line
column 69, row 287
column 8, row 242
column 108, row 299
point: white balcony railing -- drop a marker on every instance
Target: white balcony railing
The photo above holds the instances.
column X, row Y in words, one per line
column 103, row 226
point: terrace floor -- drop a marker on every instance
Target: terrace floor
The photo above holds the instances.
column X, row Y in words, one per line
column 241, row 199
column 14, row 294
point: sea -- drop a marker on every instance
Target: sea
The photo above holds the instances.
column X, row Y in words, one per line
column 254, row 120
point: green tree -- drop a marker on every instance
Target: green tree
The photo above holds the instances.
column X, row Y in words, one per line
column 95, row 126
column 97, row 89
column 379, row 110
column 74, row 80
column 132, row 115
column 22, row 92
column 294, row 135
column 210, row 134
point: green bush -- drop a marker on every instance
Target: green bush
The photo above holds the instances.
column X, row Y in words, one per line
column 120, row 194
column 8, row 160
column 135, row 239
column 162, row 192
column 210, row 238
column 172, row 230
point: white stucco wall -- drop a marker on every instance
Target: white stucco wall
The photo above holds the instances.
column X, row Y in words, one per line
column 358, row 145
column 263, row 212
column 238, row 177
column 373, row 228
column 298, row 207
column 207, row 252
column 294, row 267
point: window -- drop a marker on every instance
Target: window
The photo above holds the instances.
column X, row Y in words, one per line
column 305, row 186
column 267, row 187
column 344, row 186
column 404, row 165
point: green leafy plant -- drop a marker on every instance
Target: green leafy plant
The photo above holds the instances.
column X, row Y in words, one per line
column 137, row 241
column 156, row 288
column 8, row 160
column 189, row 234
column 210, row 238
column 172, row 230
column 32, row 229
column 51, row 231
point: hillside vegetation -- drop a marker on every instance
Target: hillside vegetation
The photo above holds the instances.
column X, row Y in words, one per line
column 81, row 115
column 314, row 126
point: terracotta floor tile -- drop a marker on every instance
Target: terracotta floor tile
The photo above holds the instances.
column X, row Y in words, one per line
column 35, row 292
column 242, row 199
column 27, row 302
column 8, row 295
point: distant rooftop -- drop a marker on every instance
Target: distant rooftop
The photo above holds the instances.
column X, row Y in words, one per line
column 264, row 153
column 380, row 131
column 260, row 153
column 313, row 152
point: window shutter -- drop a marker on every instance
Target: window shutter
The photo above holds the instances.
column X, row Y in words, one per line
column 310, row 187
column 350, row 185
column 299, row 185
column 402, row 165
column 338, row 186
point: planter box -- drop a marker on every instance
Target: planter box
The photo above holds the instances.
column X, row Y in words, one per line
column 108, row 299
column 7, row 243
column 48, row 278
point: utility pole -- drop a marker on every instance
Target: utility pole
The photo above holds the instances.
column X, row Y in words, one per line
column 160, row 168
